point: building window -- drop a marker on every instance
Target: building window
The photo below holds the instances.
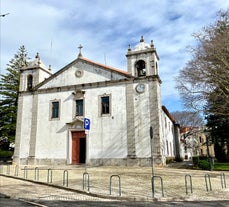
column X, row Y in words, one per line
column 29, row 82
column 105, row 105
column 55, row 109
column 167, row 146
column 79, row 107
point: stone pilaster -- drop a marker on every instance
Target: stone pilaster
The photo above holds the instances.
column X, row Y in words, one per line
column 130, row 122
column 155, row 121
column 16, row 157
column 33, row 135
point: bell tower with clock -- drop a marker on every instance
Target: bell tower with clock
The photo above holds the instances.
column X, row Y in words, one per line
column 144, row 105
column 143, row 59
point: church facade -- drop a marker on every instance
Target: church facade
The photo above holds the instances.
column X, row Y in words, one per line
column 121, row 107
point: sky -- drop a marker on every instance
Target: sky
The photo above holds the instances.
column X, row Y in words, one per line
column 105, row 28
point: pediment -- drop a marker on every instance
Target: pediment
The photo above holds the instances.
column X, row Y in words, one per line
column 82, row 71
column 76, row 123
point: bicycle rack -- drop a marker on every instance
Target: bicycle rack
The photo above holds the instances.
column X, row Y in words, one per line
column 162, row 187
column 209, row 181
column 36, row 174
column 16, row 170
column 49, row 176
column 86, row 180
column 223, row 180
column 8, row 169
column 119, row 182
column 65, row 178
column 186, row 185
column 25, row 172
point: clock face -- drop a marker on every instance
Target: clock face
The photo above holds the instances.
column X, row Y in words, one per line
column 140, row 88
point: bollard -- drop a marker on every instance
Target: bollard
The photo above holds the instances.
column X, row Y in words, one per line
column 1, row 168
column 162, row 187
column 86, row 179
column 186, row 185
column 119, row 182
column 209, row 181
column 65, row 178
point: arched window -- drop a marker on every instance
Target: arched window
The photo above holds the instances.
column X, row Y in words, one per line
column 140, row 68
column 29, row 82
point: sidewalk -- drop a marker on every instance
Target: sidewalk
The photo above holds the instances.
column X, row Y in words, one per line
column 135, row 182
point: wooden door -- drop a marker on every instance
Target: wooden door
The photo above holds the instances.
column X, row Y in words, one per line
column 78, row 147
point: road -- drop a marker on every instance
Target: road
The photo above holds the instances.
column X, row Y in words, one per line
column 15, row 192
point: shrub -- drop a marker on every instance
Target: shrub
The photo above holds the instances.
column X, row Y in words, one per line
column 6, row 153
column 203, row 164
column 169, row 160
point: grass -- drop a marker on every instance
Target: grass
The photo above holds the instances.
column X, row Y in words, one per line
column 221, row 166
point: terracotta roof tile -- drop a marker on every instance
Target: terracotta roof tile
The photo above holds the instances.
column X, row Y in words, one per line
column 105, row 66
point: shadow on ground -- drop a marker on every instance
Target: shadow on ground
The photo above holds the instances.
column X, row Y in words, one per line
column 139, row 204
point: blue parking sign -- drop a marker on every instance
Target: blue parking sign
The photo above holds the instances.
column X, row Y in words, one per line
column 86, row 124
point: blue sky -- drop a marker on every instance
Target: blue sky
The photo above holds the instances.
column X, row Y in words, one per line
column 105, row 28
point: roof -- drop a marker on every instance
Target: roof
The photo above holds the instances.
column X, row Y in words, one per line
column 142, row 45
column 105, row 66
column 81, row 58
column 168, row 114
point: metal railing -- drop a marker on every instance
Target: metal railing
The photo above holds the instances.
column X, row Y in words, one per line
column 65, row 178
column 186, row 184
column 25, row 172
column 49, row 176
column 36, row 174
column 223, row 180
column 119, row 183
column 208, row 181
column 86, row 181
column 153, row 186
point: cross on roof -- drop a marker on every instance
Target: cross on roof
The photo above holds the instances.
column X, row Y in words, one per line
column 80, row 49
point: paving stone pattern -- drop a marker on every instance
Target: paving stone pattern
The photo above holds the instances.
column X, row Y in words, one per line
column 135, row 184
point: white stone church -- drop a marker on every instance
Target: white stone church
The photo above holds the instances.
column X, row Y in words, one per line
column 121, row 107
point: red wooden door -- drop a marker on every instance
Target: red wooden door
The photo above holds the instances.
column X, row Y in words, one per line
column 78, row 147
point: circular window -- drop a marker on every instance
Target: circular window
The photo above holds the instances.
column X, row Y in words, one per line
column 79, row 73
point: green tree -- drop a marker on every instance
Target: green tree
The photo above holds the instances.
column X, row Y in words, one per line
column 218, row 125
column 9, row 88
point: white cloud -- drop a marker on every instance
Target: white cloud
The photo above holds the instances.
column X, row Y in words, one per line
column 105, row 28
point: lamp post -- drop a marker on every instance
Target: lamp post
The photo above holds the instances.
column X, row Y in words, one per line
column 151, row 144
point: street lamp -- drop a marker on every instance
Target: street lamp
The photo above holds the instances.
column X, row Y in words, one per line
column 151, row 141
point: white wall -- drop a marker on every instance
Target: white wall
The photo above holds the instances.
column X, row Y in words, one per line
column 108, row 136
column 26, row 126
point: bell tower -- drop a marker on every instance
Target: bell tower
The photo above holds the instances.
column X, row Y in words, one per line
column 144, row 105
column 143, row 59
column 33, row 74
